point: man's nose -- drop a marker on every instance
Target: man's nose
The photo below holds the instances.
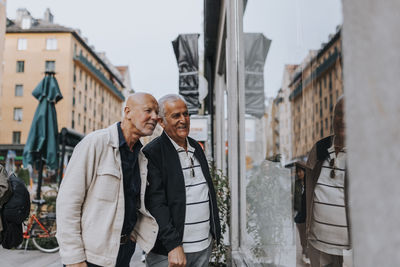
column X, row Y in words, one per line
column 182, row 118
column 154, row 115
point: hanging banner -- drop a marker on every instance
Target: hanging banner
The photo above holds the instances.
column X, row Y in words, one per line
column 187, row 56
column 256, row 47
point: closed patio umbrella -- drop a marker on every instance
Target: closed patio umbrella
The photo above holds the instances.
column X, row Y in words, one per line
column 42, row 144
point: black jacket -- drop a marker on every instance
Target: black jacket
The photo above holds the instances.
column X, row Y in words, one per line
column 166, row 192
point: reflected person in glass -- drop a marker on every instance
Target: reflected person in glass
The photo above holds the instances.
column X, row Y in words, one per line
column 327, row 223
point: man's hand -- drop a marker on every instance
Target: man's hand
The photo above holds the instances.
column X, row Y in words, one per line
column 81, row 264
column 176, row 257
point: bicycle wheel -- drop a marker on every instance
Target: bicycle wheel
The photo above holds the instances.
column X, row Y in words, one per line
column 44, row 239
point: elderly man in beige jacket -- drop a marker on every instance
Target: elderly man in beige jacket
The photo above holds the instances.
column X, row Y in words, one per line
column 100, row 206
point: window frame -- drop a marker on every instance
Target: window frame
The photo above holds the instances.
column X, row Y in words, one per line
column 21, row 87
column 51, row 44
column 48, row 63
column 22, row 44
column 16, row 113
column 20, row 66
column 16, row 137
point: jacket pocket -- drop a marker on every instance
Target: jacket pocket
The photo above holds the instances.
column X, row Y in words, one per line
column 107, row 184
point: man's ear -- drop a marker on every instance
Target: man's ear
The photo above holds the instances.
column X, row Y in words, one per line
column 161, row 122
column 126, row 110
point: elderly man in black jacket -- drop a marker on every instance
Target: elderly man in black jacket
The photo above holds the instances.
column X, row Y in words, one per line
column 180, row 194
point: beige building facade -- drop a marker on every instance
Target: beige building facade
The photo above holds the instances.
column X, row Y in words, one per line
column 285, row 115
column 92, row 92
column 315, row 88
column 2, row 38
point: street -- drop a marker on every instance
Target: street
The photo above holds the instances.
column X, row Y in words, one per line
column 35, row 258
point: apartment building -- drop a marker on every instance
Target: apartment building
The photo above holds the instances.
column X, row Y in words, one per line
column 315, row 87
column 285, row 114
column 2, row 36
column 91, row 87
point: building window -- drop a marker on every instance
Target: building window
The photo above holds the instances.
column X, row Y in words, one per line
column 50, row 65
column 51, row 44
column 326, row 103
column 85, row 104
column 19, row 90
column 22, row 44
column 79, row 119
column 75, row 50
column 73, row 120
column 322, row 129
column 16, row 138
column 74, row 74
column 326, row 124
column 80, row 97
column 84, row 125
column 18, row 114
column 20, row 66
column 80, row 75
column 73, row 97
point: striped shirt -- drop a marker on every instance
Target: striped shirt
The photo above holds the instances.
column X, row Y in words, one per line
column 329, row 230
column 196, row 235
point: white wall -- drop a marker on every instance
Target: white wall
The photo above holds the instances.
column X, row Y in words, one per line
column 371, row 43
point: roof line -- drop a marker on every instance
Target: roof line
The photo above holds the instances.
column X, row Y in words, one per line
column 80, row 40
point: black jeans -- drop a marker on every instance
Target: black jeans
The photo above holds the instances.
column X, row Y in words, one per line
column 124, row 257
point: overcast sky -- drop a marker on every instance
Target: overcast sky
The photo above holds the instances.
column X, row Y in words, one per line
column 138, row 33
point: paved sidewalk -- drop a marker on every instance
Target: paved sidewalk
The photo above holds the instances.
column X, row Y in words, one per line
column 35, row 258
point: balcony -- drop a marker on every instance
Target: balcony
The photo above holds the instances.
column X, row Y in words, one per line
column 99, row 75
column 327, row 64
column 296, row 91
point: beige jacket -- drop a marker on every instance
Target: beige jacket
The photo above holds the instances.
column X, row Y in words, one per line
column 4, row 191
column 91, row 206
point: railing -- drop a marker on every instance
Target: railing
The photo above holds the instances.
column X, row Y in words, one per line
column 99, row 75
column 315, row 74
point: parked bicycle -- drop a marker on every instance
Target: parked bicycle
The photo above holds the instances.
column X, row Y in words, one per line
column 41, row 228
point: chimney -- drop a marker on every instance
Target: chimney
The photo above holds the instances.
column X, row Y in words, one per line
column 24, row 18
column 21, row 12
column 48, row 16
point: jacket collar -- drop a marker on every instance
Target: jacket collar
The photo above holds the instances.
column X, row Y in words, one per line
column 113, row 139
column 322, row 147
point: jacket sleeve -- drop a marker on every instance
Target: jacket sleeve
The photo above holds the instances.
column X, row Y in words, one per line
column 4, row 188
column 156, row 202
column 71, row 196
column 3, row 183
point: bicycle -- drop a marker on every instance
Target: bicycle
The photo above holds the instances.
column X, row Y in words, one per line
column 41, row 228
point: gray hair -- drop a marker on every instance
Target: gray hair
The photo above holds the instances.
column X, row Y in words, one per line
column 165, row 99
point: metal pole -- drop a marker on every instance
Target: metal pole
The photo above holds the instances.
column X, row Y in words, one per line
column 63, row 140
column 40, row 177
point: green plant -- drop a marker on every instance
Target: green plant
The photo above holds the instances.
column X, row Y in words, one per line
column 24, row 175
column 219, row 254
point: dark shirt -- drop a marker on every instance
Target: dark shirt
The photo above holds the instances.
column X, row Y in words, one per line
column 131, row 179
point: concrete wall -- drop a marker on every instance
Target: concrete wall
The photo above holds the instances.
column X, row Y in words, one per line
column 371, row 43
